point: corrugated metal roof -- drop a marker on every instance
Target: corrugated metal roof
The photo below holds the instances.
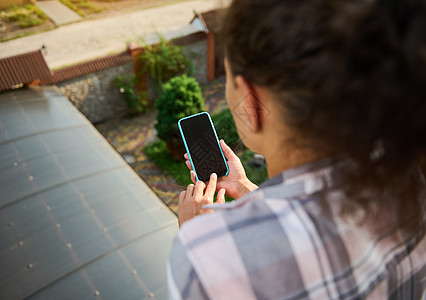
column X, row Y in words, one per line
column 23, row 69
column 76, row 222
column 88, row 67
column 210, row 19
column 28, row 67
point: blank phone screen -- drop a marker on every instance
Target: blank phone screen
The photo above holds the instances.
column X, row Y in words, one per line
column 203, row 146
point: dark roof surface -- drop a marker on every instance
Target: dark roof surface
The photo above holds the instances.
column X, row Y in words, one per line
column 28, row 67
column 23, row 68
column 87, row 67
column 76, row 222
column 210, row 19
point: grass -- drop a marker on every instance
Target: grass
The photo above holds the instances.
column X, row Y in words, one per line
column 90, row 6
column 73, row 7
column 25, row 16
column 81, row 7
column 225, row 128
column 256, row 175
column 158, row 153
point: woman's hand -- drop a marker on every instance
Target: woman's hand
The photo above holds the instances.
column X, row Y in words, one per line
column 192, row 200
column 236, row 183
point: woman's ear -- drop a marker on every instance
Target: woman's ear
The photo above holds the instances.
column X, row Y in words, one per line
column 248, row 106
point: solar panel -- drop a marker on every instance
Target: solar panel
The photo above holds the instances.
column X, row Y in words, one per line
column 76, row 222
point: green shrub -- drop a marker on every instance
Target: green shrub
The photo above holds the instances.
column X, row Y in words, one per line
column 225, row 127
column 164, row 61
column 181, row 97
column 158, row 153
column 134, row 102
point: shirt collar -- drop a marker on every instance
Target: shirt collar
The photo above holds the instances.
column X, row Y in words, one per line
column 315, row 169
column 303, row 180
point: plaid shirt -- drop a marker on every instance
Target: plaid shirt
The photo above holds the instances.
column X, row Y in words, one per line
column 275, row 243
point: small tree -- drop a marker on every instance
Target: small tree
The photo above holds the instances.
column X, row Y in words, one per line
column 164, row 60
column 180, row 97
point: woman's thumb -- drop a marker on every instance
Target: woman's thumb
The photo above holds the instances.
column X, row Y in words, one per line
column 220, row 196
column 229, row 154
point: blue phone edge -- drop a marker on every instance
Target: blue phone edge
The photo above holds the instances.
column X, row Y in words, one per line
column 186, row 146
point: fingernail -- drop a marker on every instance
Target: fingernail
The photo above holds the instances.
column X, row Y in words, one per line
column 213, row 175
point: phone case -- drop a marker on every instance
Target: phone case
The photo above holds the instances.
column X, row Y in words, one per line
column 186, row 146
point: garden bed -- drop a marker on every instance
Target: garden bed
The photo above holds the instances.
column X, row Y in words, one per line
column 22, row 20
column 136, row 138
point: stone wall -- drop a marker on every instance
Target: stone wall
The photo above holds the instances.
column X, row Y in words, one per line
column 99, row 100
column 95, row 94
column 198, row 54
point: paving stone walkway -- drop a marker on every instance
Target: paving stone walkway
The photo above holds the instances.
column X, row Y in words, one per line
column 57, row 12
column 130, row 136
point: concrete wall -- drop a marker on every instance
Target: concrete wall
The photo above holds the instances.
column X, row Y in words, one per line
column 95, row 94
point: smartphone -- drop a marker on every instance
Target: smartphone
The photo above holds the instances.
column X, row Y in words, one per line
column 202, row 145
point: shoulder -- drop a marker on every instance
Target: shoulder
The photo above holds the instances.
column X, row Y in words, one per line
column 248, row 247
column 255, row 213
column 264, row 245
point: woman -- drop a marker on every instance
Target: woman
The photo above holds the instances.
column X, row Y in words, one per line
column 331, row 93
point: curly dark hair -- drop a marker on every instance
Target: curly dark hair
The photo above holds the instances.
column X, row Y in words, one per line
column 351, row 76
